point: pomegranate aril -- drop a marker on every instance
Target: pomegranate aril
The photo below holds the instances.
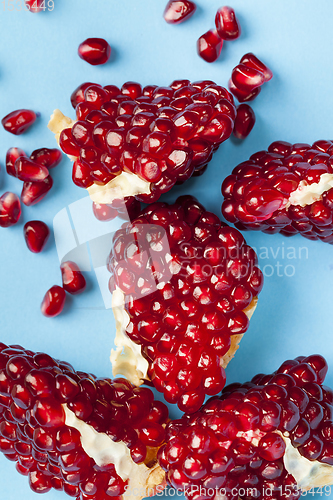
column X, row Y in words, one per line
column 36, row 234
column 226, row 24
column 252, row 61
column 10, row 209
column 49, row 158
column 53, row 302
column 243, row 95
column 17, row 122
column 209, row 46
column 95, row 51
column 11, row 156
column 177, row 11
column 34, row 192
column 73, row 280
column 244, row 122
column 29, row 171
column 246, row 78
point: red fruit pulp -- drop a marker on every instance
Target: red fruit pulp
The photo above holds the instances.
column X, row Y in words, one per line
column 209, row 46
column 95, row 51
column 36, row 234
column 10, row 209
column 73, row 280
column 178, row 11
column 53, row 301
column 17, row 122
column 226, row 24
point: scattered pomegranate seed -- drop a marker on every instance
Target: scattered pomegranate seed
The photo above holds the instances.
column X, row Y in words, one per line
column 46, row 157
column 241, row 95
column 95, row 51
column 36, row 234
column 209, row 46
column 244, row 122
column 27, row 170
column 251, row 61
column 53, row 301
column 104, row 212
column 73, row 280
column 245, row 78
column 34, row 192
column 10, row 209
column 11, row 156
column 226, row 24
column 19, row 121
column 35, row 5
column 178, row 11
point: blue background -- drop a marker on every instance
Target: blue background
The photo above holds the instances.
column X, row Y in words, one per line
column 39, row 68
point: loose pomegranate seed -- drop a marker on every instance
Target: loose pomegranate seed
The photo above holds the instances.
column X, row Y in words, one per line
column 104, row 212
column 73, row 280
column 34, row 192
column 49, row 158
column 246, row 78
column 27, row 170
column 244, row 122
column 95, row 51
column 17, row 122
column 10, row 209
column 226, row 24
column 36, row 234
column 209, row 46
column 11, row 156
column 177, row 11
column 251, row 61
column 53, row 302
column 241, row 95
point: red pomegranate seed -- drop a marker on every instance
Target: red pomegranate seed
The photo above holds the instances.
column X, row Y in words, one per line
column 35, row 5
column 49, row 158
column 73, row 280
column 10, row 209
column 244, row 122
column 78, row 94
column 34, row 192
column 53, row 301
column 11, row 156
column 17, row 122
column 81, row 174
column 246, row 78
column 104, row 212
column 177, row 11
column 252, row 61
column 226, row 24
column 36, row 234
column 95, row 51
column 27, row 170
column 241, row 95
column 209, row 46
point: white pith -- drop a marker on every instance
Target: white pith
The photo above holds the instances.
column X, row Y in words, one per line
column 125, row 184
column 127, row 359
column 103, row 450
column 306, row 194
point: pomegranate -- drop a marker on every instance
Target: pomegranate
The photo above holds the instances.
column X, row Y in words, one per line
column 138, row 142
column 95, row 51
column 10, row 209
column 91, row 437
column 53, row 302
column 287, row 189
column 73, row 280
column 209, row 46
column 17, row 122
column 244, row 122
column 36, row 234
column 226, row 24
column 178, row 11
column 184, row 287
column 271, row 437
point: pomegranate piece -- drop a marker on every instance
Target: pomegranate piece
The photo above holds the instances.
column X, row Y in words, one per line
column 10, row 209
column 34, row 192
column 11, row 156
column 189, row 326
column 244, row 122
column 49, row 158
column 55, row 421
column 95, row 51
column 178, row 11
column 73, row 280
column 36, row 234
column 30, row 171
column 17, row 122
column 245, row 437
column 226, row 24
column 209, row 46
column 286, row 189
column 53, row 302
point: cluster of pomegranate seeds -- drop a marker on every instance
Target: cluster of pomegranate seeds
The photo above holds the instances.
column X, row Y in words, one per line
column 178, row 11
column 95, row 51
column 209, row 46
column 73, row 280
column 271, row 192
column 187, row 279
column 36, row 234
column 163, row 135
column 248, row 77
column 17, row 122
column 36, row 393
column 10, row 209
column 244, row 122
column 235, row 442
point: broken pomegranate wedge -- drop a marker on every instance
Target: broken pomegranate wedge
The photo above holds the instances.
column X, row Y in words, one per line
column 71, row 431
column 138, row 141
column 287, row 189
column 184, row 288
column 271, row 437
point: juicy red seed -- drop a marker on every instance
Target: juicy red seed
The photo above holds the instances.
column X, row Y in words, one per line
column 243, row 95
column 34, row 192
column 81, row 174
column 246, row 78
column 78, row 94
column 36, row 234
column 53, row 302
column 244, row 122
column 73, row 280
column 29, row 171
column 10, row 209
column 17, row 122
column 226, row 24
column 177, row 11
column 271, row 447
column 95, row 51
column 11, row 156
column 209, row 46
column 104, row 212
column 49, row 158
column 252, row 61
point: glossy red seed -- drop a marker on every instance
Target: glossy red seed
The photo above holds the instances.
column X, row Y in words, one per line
column 73, row 280
column 226, row 24
column 78, row 94
column 53, row 302
column 243, row 95
column 36, row 234
column 95, row 51
column 178, row 11
column 11, row 156
column 29, row 171
column 209, row 46
column 252, row 61
column 104, row 212
column 81, row 174
column 17, row 122
column 246, row 78
column 244, row 122
column 34, row 192
column 10, row 209
column 49, row 158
